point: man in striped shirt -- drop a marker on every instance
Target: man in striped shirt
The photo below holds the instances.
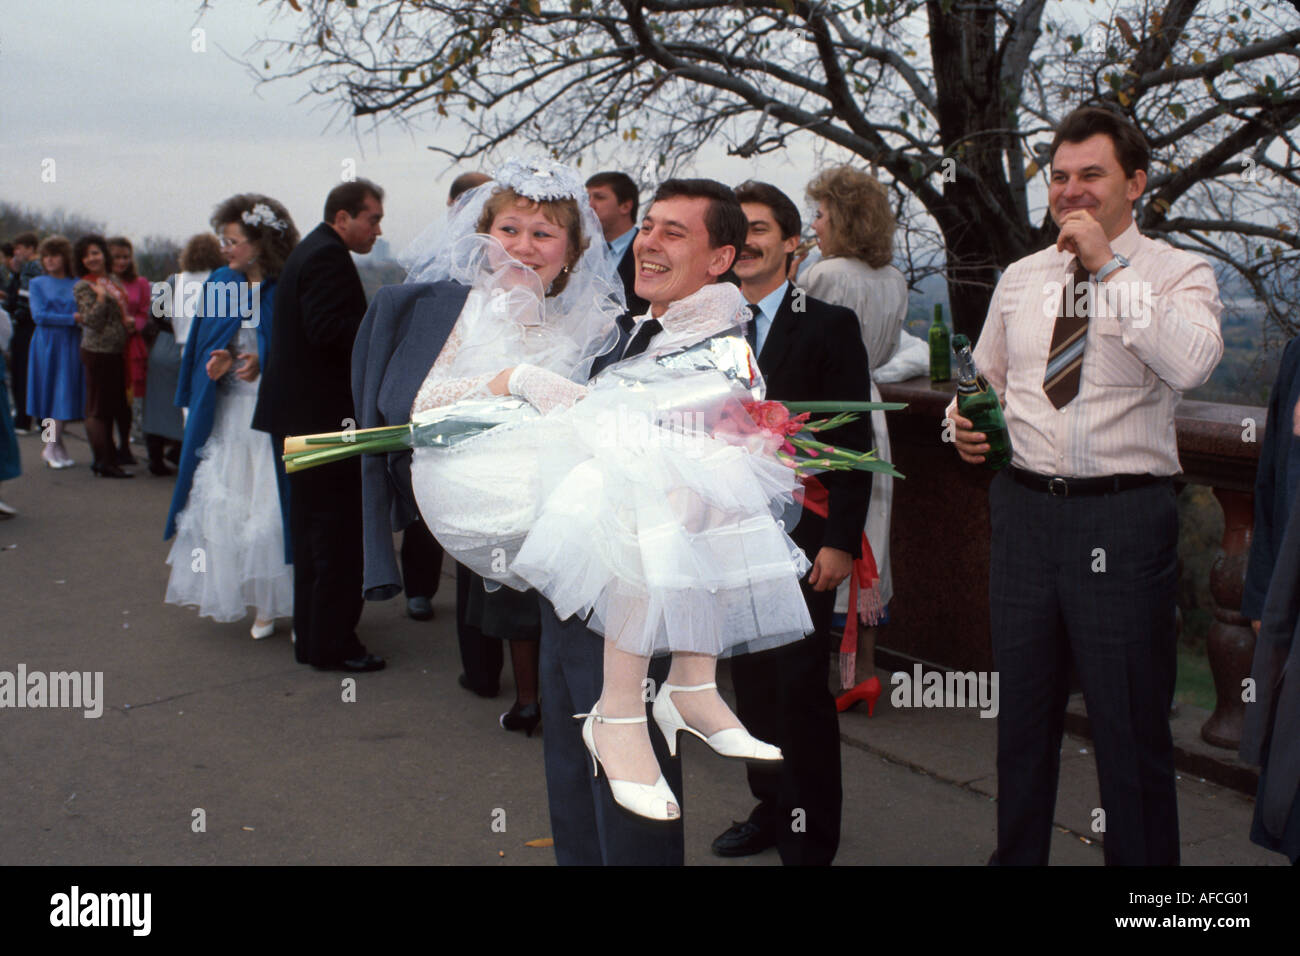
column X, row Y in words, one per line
column 1090, row 344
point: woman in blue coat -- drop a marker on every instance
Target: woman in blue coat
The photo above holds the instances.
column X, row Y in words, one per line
column 56, row 381
column 230, row 552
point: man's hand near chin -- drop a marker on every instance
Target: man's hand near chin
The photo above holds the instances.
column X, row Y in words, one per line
column 1083, row 235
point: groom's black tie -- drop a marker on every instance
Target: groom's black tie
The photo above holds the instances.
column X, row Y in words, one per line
column 649, row 329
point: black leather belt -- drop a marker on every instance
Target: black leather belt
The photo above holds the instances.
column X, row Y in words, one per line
column 1072, row 487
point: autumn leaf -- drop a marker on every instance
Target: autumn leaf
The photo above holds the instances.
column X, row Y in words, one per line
column 1198, row 57
column 542, row 842
column 1126, row 32
column 1178, row 110
column 294, row 4
column 1161, row 204
column 1032, row 169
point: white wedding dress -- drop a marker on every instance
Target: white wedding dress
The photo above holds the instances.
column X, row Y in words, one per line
column 623, row 505
column 228, row 553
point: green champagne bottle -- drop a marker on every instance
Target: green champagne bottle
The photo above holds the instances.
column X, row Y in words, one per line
column 940, row 348
column 978, row 401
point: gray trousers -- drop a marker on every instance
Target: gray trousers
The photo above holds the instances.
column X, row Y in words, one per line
column 1092, row 580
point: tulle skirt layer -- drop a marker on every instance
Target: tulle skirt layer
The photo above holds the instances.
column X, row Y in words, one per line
column 228, row 554
column 668, row 540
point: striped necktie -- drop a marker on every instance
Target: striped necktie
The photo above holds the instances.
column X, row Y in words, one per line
column 1069, row 336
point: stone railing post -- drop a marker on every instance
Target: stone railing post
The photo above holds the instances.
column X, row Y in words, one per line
column 1230, row 643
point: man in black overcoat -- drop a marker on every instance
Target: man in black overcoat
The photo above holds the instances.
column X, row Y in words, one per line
column 808, row 350
column 307, row 388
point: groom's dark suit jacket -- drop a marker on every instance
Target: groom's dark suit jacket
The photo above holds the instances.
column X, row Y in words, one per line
column 404, row 329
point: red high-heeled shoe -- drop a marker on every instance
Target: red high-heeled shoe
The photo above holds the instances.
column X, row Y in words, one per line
column 869, row 690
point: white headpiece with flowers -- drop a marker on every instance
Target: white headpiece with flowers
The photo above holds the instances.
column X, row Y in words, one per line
column 262, row 216
column 583, row 314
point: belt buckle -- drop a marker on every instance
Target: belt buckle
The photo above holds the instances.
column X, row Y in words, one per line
column 1058, row 487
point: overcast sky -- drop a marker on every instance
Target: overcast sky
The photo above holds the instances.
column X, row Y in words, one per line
column 147, row 135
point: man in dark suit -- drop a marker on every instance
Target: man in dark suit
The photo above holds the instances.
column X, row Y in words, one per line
column 614, row 199
column 811, row 351
column 687, row 240
column 307, row 388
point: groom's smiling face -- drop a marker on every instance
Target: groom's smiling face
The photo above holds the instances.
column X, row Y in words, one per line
column 674, row 255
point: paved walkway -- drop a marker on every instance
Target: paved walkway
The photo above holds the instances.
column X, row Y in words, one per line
column 198, row 716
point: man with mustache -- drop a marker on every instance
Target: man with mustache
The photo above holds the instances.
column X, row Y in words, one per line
column 807, row 350
column 1090, row 344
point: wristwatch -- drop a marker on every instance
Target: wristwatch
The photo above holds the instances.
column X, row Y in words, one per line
column 1117, row 262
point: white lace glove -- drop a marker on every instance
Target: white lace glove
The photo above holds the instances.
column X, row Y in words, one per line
column 542, row 389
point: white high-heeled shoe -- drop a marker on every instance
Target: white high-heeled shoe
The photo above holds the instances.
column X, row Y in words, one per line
column 732, row 742
column 655, row 801
column 260, row 631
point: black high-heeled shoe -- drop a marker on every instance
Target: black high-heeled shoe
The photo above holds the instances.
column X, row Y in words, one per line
column 525, row 718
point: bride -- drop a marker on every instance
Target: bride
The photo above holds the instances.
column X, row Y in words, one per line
column 230, row 551
column 615, row 500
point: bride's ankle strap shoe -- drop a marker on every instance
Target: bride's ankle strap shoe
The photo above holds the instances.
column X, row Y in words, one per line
column 655, row 801
column 733, row 742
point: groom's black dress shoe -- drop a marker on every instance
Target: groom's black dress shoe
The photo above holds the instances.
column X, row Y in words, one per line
column 367, row 662
column 743, row 839
column 419, row 609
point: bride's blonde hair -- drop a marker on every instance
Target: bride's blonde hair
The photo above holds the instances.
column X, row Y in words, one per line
column 562, row 212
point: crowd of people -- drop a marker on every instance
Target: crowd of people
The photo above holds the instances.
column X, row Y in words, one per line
column 632, row 566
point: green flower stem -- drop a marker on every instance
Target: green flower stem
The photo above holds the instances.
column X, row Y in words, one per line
column 799, row 407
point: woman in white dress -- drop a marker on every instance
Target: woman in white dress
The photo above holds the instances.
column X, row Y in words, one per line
column 598, row 497
column 230, row 552
column 855, row 233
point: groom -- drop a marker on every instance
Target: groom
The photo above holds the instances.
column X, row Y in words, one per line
column 689, row 238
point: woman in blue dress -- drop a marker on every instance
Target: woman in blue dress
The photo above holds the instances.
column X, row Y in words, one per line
column 231, row 547
column 56, row 382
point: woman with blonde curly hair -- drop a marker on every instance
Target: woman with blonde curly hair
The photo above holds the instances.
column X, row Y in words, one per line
column 231, row 549
column 855, row 232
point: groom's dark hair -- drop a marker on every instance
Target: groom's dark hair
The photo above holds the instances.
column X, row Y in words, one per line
column 725, row 220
